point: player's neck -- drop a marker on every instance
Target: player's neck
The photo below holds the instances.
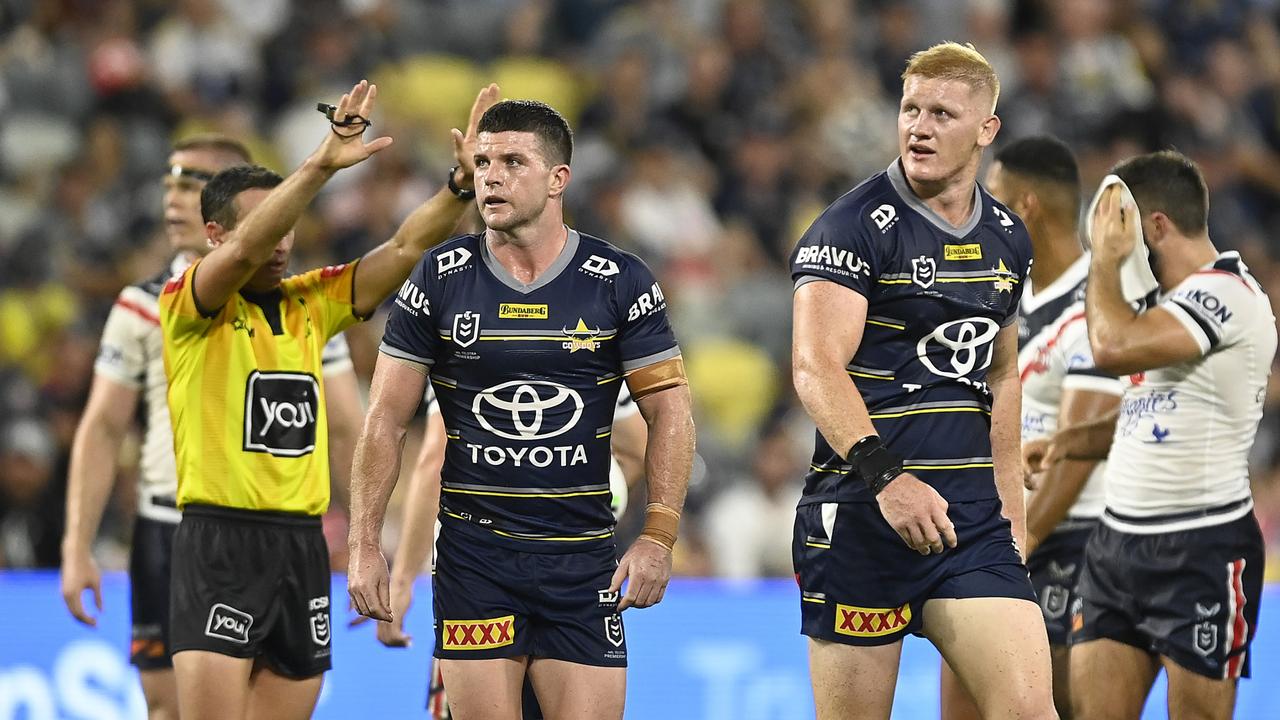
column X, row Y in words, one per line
column 951, row 199
column 1171, row 268
column 528, row 251
column 1058, row 249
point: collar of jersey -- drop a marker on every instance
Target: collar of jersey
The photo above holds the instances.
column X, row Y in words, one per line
column 899, row 181
column 1033, row 298
column 553, row 271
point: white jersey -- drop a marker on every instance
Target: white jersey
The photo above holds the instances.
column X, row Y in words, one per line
column 1053, row 357
column 1179, row 459
column 131, row 354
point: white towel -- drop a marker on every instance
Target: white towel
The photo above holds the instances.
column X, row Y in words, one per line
column 1136, row 277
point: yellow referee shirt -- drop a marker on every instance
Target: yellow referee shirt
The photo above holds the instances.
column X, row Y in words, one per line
column 245, row 397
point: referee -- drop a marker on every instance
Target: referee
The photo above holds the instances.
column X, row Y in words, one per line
column 250, row 627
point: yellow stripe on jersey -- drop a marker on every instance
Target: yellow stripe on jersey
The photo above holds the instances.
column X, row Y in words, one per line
column 246, row 404
column 927, row 411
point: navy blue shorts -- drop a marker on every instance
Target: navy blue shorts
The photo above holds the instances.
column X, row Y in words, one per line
column 1055, row 569
column 149, row 568
column 1190, row 595
column 493, row 602
column 861, row 585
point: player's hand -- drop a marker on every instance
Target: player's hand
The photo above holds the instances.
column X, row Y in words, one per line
column 368, row 582
column 1112, row 235
column 1039, row 455
column 80, row 573
column 336, row 151
column 646, row 567
column 918, row 514
column 464, row 144
column 392, row 633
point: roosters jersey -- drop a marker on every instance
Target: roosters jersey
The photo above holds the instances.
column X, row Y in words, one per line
column 1179, row 459
column 527, row 378
column 937, row 296
column 1053, row 357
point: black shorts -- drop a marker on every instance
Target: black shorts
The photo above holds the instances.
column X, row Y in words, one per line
column 250, row 584
column 149, row 560
column 1055, row 569
column 861, row 585
column 1191, row 596
column 493, row 602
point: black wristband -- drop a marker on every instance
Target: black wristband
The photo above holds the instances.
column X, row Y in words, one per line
column 873, row 464
column 457, row 191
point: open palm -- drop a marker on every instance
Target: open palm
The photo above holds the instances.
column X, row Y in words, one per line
column 339, row 151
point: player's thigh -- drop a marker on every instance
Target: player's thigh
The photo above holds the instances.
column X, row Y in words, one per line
column 1193, row 696
column 1110, row 680
column 160, row 689
column 853, row 682
column 484, row 689
column 211, row 686
column 998, row 648
column 1060, row 659
column 273, row 696
column 957, row 703
column 572, row 691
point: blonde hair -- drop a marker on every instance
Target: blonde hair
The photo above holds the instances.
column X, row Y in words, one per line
column 953, row 61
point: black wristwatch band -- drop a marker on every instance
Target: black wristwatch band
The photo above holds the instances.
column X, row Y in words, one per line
column 457, row 191
column 873, row 464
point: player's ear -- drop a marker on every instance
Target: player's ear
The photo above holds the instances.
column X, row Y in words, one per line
column 560, row 177
column 987, row 131
column 214, row 233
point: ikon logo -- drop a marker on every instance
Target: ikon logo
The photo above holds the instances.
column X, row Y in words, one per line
column 451, row 259
column 479, row 634
column 228, row 623
column 871, row 622
column 280, row 413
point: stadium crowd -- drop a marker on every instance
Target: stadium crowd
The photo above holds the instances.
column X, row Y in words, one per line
column 709, row 133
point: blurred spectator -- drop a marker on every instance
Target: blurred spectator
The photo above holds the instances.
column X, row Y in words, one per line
column 30, row 511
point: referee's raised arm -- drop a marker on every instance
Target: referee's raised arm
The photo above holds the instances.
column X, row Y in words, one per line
column 385, row 267
column 241, row 251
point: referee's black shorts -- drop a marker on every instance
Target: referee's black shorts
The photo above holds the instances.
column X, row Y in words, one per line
column 252, row 583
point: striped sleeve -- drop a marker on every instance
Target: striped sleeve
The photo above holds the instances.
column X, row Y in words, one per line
column 1211, row 305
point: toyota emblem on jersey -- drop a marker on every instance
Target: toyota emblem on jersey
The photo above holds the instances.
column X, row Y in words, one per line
column 959, row 347
column 924, row 270
column 528, row 409
column 466, row 328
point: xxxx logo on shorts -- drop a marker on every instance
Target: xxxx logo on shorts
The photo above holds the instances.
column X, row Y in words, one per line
column 479, row 634
column 871, row 622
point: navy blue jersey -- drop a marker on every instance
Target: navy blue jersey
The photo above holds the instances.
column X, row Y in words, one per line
column 937, row 296
column 527, row 377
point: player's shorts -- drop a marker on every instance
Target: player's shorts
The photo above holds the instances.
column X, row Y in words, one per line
column 1191, row 596
column 493, row 602
column 252, row 583
column 1055, row 569
column 861, row 585
column 149, row 593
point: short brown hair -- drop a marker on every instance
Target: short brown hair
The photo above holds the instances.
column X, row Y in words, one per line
column 1168, row 182
column 953, row 61
column 216, row 143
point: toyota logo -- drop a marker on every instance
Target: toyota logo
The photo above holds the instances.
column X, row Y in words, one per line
column 968, row 341
column 525, row 404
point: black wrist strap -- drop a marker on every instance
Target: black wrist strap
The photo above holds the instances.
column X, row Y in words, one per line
column 458, row 192
column 873, row 464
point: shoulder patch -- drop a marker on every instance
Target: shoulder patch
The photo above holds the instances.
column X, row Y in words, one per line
column 332, row 270
column 175, row 284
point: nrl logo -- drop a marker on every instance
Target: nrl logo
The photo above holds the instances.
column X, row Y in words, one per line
column 466, row 328
column 580, row 338
column 924, row 270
